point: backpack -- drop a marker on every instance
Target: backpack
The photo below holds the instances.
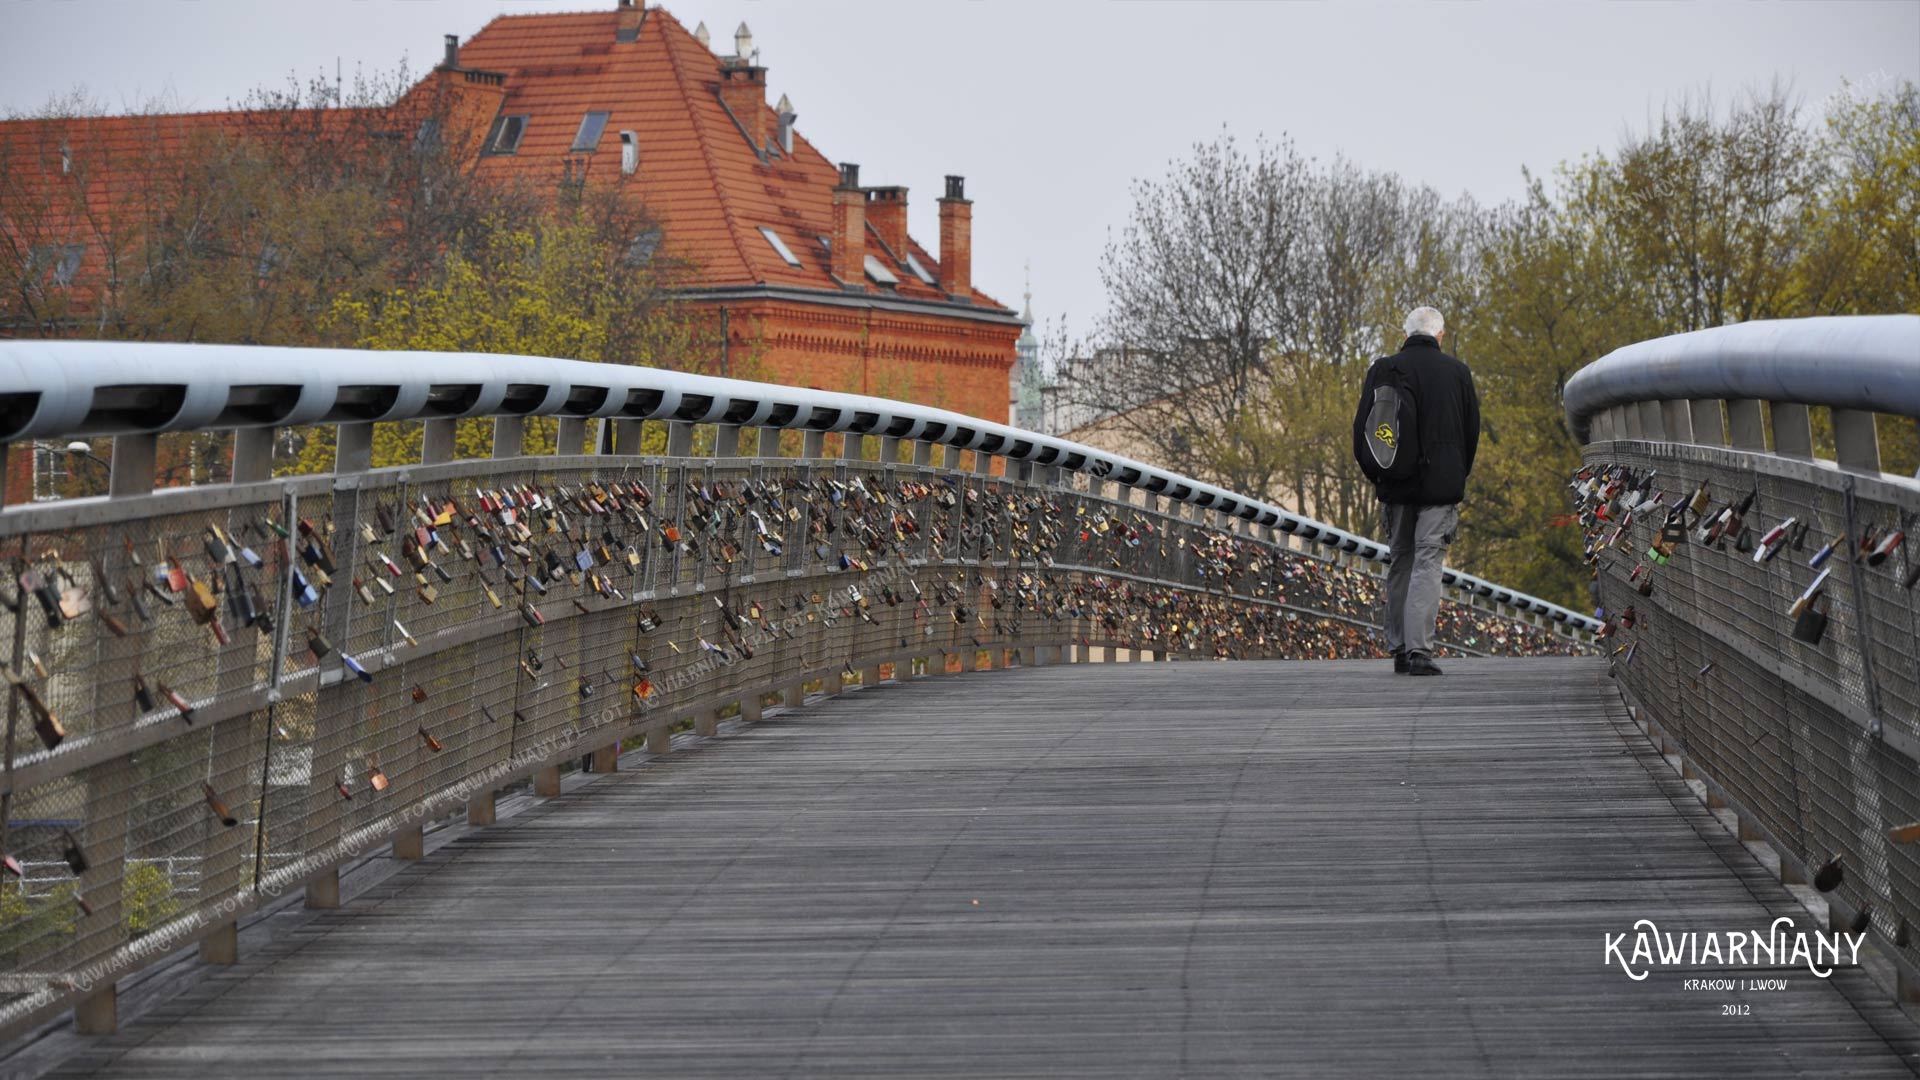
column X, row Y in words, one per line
column 1393, row 431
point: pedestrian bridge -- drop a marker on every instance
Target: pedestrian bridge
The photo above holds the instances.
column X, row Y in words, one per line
column 1166, row 869
column 792, row 751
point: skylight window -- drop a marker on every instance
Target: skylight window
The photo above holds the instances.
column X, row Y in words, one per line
column 588, row 137
column 427, row 137
column 641, row 250
column 780, row 246
column 919, row 271
column 504, row 138
column 880, row 273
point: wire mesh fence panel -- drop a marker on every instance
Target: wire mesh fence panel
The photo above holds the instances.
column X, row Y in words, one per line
column 1761, row 611
column 216, row 697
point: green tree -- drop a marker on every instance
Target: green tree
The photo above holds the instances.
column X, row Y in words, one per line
column 147, row 898
column 568, row 284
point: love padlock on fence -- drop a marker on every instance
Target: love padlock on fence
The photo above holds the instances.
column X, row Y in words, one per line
column 1811, row 624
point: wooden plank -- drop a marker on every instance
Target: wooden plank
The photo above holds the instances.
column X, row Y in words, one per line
column 1088, row 871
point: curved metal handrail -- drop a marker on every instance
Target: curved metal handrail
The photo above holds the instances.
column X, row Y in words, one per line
column 55, row 389
column 1865, row 362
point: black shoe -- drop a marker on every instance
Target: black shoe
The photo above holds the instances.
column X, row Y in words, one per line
column 1422, row 664
column 1400, row 666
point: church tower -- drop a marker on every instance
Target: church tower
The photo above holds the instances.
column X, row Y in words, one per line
column 1026, row 378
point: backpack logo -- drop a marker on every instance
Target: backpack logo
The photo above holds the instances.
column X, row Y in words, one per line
column 1392, row 424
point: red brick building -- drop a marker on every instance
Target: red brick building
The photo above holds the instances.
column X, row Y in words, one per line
column 815, row 276
column 819, row 281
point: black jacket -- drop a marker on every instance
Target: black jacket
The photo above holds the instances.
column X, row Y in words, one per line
column 1449, row 423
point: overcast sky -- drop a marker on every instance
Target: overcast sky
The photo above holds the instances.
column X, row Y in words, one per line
column 1051, row 108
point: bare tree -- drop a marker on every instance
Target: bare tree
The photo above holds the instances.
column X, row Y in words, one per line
column 1203, row 285
column 1710, row 207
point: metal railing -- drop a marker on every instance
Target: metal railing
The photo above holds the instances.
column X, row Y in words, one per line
column 259, row 680
column 1760, row 604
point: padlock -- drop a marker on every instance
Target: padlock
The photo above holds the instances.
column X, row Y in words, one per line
column 179, row 702
column 1826, row 551
column 1698, row 504
column 1774, row 539
column 304, row 594
column 75, row 858
column 239, row 600
column 317, row 555
column 1673, row 533
column 1811, row 624
column 1885, row 547
column 218, row 807
column 200, row 602
column 355, row 667
column 45, row 724
column 1811, row 594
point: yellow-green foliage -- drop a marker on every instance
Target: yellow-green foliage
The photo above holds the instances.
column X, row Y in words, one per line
column 30, row 927
column 146, row 896
column 553, row 286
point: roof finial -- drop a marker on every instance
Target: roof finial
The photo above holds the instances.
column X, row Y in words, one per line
column 700, row 35
column 1026, row 312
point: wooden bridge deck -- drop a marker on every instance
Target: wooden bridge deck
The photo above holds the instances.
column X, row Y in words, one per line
column 1310, row 869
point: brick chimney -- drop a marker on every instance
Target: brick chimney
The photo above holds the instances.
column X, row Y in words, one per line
column 743, row 89
column 956, row 239
column 887, row 213
column 848, row 260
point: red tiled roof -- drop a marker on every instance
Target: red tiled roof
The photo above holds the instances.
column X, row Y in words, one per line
column 697, row 169
column 82, row 180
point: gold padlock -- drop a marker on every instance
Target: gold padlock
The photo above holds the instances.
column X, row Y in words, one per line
column 200, row 602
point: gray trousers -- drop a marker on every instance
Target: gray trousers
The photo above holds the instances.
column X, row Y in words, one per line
column 1418, row 537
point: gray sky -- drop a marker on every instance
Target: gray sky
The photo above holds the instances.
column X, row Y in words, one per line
column 1051, row 108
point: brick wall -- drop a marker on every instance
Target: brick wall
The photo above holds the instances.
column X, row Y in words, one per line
column 958, row 364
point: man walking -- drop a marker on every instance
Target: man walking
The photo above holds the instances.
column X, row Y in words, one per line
column 1415, row 435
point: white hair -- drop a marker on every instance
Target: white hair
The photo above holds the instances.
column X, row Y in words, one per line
column 1425, row 320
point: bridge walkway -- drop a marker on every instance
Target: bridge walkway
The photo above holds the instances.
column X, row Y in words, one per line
column 1176, row 869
